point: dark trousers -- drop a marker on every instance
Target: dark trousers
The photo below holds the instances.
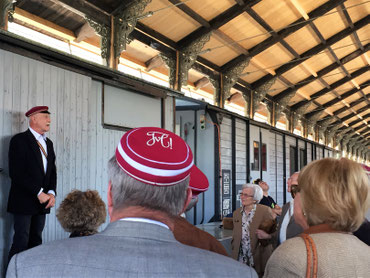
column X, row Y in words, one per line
column 27, row 232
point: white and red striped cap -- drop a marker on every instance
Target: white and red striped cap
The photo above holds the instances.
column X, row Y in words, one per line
column 158, row 157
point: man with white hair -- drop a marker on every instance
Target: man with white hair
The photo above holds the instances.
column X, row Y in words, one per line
column 33, row 180
column 148, row 184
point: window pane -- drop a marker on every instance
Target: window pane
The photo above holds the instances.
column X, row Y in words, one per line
column 256, row 160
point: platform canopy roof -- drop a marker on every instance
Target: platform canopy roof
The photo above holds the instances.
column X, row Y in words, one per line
column 309, row 57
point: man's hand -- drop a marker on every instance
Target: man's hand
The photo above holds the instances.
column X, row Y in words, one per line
column 43, row 198
column 51, row 202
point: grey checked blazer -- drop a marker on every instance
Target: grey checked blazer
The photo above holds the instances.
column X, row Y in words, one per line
column 124, row 249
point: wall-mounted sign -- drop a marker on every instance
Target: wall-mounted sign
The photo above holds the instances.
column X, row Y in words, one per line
column 226, row 200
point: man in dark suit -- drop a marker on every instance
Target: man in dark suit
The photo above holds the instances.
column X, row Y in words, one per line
column 33, row 180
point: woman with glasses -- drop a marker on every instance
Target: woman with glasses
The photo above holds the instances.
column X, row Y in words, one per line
column 332, row 199
column 245, row 245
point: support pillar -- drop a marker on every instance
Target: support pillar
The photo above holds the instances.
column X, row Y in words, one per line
column 6, row 13
column 187, row 57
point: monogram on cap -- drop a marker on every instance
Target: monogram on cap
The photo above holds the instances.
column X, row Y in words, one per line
column 154, row 156
column 159, row 157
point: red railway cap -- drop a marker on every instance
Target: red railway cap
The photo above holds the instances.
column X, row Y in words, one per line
column 158, row 157
column 37, row 109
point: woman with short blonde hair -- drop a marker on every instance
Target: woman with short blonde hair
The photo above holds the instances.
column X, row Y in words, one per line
column 333, row 197
column 335, row 192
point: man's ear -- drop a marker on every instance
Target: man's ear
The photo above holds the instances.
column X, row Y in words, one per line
column 189, row 195
column 110, row 199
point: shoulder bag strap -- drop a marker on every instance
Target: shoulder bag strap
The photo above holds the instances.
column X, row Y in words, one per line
column 310, row 245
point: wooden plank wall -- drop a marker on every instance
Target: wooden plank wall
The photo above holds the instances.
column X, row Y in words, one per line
column 83, row 147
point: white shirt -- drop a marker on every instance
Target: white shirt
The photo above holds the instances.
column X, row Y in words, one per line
column 286, row 220
column 41, row 138
column 144, row 220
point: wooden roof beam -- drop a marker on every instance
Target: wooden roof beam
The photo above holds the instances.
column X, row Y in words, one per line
column 343, row 11
column 334, row 101
column 85, row 32
column 153, row 63
column 355, row 84
column 339, row 121
column 348, row 106
column 322, row 72
column 283, row 33
column 300, row 9
column 323, row 41
column 332, row 87
column 342, row 97
column 363, row 109
column 258, row 64
column 309, row 69
column 85, row 8
column 202, row 82
column 313, row 51
column 217, row 22
column 359, row 120
column 185, row 8
column 366, row 58
column 353, row 132
column 52, row 29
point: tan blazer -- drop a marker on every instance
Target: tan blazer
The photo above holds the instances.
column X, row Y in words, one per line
column 260, row 253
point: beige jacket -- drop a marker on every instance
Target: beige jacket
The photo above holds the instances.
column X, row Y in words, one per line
column 339, row 255
column 260, row 253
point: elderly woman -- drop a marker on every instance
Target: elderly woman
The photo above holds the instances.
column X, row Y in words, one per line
column 245, row 245
column 331, row 203
column 81, row 213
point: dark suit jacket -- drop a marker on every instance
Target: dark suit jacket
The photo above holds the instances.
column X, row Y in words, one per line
column 293, row 228
column 27, row 174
